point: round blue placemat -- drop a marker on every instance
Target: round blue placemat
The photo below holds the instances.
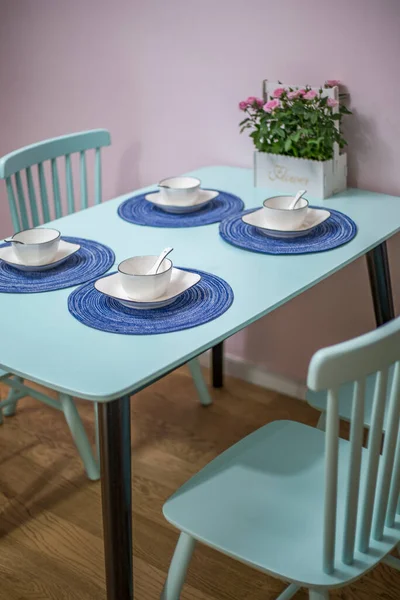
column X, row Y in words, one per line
column 137, row 210
column 90, row 262
column 339, row 229
column 205, row 301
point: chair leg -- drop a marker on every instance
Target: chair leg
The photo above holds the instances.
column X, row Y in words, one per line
column 318, row 594
column 13, row 396
column 289, row 592
column 322, row 421
column 79, row 436
column 201, row 386
column 178, row 568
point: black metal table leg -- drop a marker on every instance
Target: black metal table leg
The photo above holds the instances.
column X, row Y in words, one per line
column 115, row 456
column 218, row 365
column 381, row 287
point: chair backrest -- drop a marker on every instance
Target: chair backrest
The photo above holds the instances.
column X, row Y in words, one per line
column 26, row 213
column 371, row 506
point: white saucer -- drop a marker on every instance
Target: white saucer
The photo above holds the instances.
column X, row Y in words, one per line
column 180, row 282
column 65, row 250
column 315, row 216
column 204, row 197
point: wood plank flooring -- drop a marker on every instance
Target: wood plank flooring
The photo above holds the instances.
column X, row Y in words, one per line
column 51, row 544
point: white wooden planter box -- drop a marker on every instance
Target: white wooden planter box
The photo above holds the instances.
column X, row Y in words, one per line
column 288, row 174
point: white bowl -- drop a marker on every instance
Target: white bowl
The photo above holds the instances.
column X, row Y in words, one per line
column 180, row 191
column 140, row 286
column 277, row 215
column 39, row 245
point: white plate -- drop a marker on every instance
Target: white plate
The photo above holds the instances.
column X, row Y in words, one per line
column 315, row 216
column 65, row 250
column 204, row 197
column 180, row 282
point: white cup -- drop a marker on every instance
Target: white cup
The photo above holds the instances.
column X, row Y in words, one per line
column 138, row 284
column 180, row 191
column 39, row 246
column 277, row 215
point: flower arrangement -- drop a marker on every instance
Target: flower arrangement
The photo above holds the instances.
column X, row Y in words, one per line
column 296, row 122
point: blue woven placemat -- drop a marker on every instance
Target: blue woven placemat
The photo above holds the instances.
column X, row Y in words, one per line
column 90, row 262
column 137, row 210
column 339, row 229
column 205, row 301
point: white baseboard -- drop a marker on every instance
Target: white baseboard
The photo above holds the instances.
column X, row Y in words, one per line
column 237, row 367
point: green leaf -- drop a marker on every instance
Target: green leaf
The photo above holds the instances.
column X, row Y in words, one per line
column 245, row 127
column 296, row 136
column 288, row 145
column 244, row 121
column 336, row 117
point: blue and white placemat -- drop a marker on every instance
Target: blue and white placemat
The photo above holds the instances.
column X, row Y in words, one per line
column 90, row 262
column 205, row 301
column 137, row 210
column 339, row 229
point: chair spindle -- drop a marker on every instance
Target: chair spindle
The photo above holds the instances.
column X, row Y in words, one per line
column 43, row 194
column 331, row 481
column 354, row 471
column 388, row 455
column 373, row 457
column 83, row 177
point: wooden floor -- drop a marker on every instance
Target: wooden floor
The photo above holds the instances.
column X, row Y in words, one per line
column 50, row 514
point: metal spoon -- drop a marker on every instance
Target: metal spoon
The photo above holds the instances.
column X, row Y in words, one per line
column 159, row 260
column 297, row 197
column 11, row 240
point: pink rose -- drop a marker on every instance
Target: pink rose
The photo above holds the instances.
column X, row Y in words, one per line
column 332, row 82
column 243, row 105
column 271, row 105
column 278, row 92
column 332, row 102
column 310, row 95
column 293, row 95
column 252, row 100
column 302, row 92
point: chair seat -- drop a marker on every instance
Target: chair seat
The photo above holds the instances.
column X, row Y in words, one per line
column 319, row 399
column 262, row 501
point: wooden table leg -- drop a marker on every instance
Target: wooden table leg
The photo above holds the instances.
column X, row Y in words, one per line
column 381, row 287
column 115, row 460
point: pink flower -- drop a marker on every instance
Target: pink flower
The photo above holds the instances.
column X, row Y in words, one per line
column 310, row 95
column 332, row 82
column 278, row 92
column 243, row 105
column 271, row 105
column 332, row 102
column 293, row 95
column 253, row 101
column 302, row 92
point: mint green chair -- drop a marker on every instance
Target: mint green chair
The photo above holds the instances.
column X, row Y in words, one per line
column 318, row 400
column 302, row 504
column 26, row 211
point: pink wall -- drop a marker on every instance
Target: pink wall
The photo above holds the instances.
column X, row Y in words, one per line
column 165, row 78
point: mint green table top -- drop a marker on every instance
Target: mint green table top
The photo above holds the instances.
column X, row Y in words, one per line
column 41, row 341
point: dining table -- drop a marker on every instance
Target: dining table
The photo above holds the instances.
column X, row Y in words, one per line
column 42, row 342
